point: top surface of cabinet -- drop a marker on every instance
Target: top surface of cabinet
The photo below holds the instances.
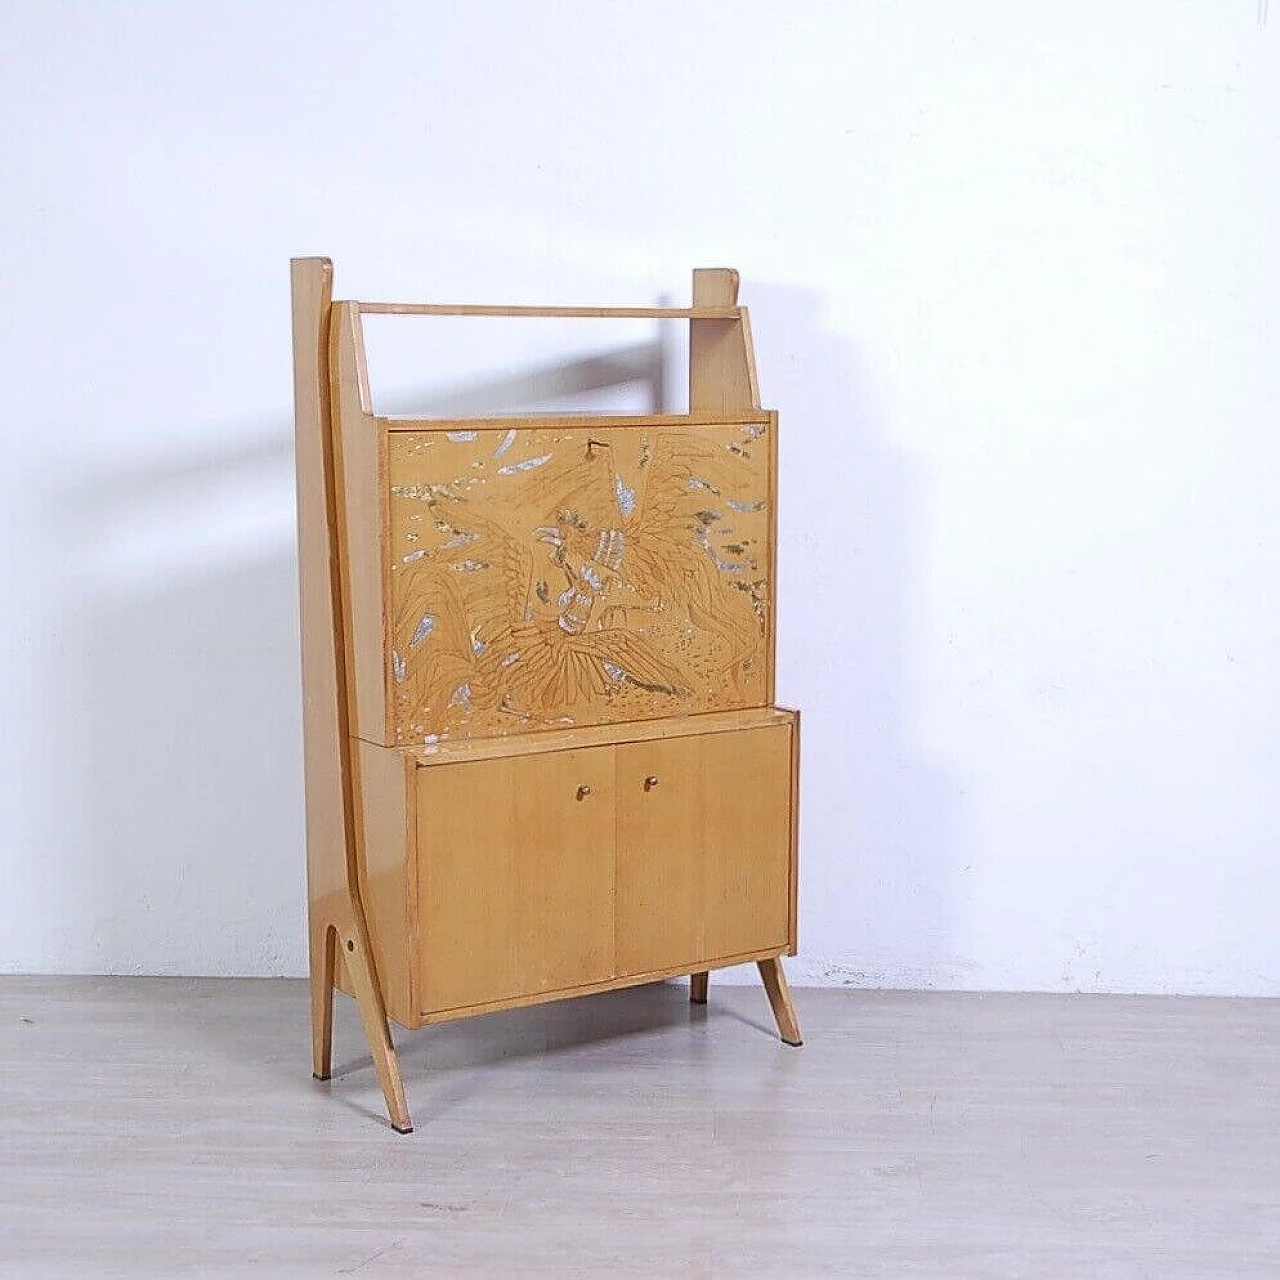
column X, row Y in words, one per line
column 459, row 750
column 543, row 577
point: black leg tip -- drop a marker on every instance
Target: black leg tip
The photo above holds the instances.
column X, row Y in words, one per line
column 398, row 1129
column 795, row 1044
column 314, row 1076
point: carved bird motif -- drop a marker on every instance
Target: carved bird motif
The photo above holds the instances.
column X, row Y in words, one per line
column 527, row 607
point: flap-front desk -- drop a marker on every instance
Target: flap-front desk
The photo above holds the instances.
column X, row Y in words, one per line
column 542, row 754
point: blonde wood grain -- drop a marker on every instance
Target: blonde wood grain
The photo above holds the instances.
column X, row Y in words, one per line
column 544, row 578
column 784, row 1011
column 570, row 422
column 743, row 365
column 722, row 374
column 716, row 287
column 620, row 983
column 385, row 785
column 728, row 312
column 360, row 477
column 573, row 618
column 359, row 961
column 598, row 735
column 703, row 847
column 771, row 617
column 335, row 909
column 323, row 979
column 517, row 876
column 328, row 823
column 793, row 935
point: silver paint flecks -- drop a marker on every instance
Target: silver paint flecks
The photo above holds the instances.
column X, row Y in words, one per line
column 626, row 497
column 529, row 464
column 425, row 628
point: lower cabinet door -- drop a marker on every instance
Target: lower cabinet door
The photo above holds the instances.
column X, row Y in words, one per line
column 704, row 847
column 516, row 876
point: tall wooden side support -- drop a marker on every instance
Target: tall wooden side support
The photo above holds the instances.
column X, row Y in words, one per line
column 722, row 368
column 337, row 925
column 722, row 379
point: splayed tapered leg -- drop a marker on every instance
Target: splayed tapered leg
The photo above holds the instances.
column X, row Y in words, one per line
column 374, row 1014
column 775, row 985
column 324, row 942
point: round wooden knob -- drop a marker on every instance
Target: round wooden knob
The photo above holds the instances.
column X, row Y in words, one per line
column 650, row 782
column 583, row 791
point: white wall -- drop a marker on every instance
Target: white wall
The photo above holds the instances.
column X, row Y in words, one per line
column 1013, row 272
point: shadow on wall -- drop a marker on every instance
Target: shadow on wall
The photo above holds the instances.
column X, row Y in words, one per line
column 882, row 852
column 185, row 827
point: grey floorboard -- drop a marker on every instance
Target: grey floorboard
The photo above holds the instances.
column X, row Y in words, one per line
column 169, row 1127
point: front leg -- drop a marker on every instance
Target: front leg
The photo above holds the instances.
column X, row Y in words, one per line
column 373, row 1013
column 775, row 985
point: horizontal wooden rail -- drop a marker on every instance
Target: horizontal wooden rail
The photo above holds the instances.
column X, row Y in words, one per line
column 581, row 313
column 567, row 422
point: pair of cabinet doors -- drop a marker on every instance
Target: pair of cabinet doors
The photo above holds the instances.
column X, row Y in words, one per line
column 561, row 869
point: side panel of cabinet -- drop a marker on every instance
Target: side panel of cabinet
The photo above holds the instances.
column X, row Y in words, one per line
column 516, row 876
column 704, row 847
column 384, row 791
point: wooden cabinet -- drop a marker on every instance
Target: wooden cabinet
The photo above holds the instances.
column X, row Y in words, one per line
column 573, row 867
column 542, row 755
column 516, row 877
column 703, row 832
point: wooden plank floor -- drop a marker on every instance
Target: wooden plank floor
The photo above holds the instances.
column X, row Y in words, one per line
column 169, row 1127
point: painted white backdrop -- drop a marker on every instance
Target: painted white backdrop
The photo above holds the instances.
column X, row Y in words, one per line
column 1013, row 272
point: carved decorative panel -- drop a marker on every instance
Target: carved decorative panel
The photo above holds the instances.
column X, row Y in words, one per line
column 549, row 577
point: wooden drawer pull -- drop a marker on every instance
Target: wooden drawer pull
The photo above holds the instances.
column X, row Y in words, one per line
column 650, row 782
column 583, row 791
